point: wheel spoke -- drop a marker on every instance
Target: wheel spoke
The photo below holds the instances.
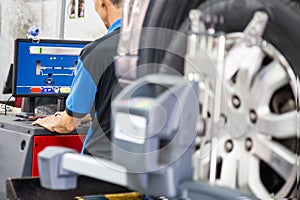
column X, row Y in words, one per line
column 278, row 126
column 270, row 79
column 255, row 184
column 279, row 158
column 233, row 59
column 243, row 172
column 229, row 171
column 249, row 66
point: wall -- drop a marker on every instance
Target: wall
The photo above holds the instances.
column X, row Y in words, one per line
column 90, row 27
column 17, row 16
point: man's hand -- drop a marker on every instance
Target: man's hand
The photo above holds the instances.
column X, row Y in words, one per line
column 60, row 122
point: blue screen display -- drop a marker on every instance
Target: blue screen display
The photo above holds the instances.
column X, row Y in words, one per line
column 45, row 68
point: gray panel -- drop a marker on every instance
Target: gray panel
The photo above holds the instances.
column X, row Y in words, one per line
column 10, row 122
column 14, row 149
column 16, row 139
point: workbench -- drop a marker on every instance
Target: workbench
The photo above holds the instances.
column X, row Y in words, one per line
column 20, row 142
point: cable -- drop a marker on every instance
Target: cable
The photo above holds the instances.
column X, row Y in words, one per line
column 5, row 112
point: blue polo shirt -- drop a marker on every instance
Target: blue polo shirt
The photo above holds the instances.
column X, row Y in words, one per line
column 114, row 26
column 82, row 96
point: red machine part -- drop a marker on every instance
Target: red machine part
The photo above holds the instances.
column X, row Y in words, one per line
column 40, row 142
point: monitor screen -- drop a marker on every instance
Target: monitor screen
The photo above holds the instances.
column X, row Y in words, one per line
column 45, row 68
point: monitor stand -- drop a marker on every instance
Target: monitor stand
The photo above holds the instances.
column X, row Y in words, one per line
column 60, row 104
column 28, row 106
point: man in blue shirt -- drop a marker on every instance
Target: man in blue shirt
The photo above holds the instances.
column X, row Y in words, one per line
column 94, row 86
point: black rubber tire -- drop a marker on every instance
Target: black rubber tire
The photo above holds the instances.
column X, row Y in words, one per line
column 282, row 30
column 168, row 14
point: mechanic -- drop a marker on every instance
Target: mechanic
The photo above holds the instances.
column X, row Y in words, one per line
column 93, row 87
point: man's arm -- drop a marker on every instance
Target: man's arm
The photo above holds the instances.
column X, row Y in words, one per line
column 60, row 122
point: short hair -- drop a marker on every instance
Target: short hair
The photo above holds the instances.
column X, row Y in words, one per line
column 116, row 3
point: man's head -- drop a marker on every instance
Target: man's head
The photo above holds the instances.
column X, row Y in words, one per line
column 109, row 10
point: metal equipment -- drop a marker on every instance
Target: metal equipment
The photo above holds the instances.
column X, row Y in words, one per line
column 256, row 151
column 236, row 100
column 154, row 131
column 21, row 142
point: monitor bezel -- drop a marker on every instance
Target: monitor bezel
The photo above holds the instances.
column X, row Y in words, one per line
column 15, row 64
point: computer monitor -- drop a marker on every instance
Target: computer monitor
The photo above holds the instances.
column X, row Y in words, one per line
column 44, row 68
column 7, row 87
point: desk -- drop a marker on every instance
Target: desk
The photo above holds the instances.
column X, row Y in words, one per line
column 20, row 142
